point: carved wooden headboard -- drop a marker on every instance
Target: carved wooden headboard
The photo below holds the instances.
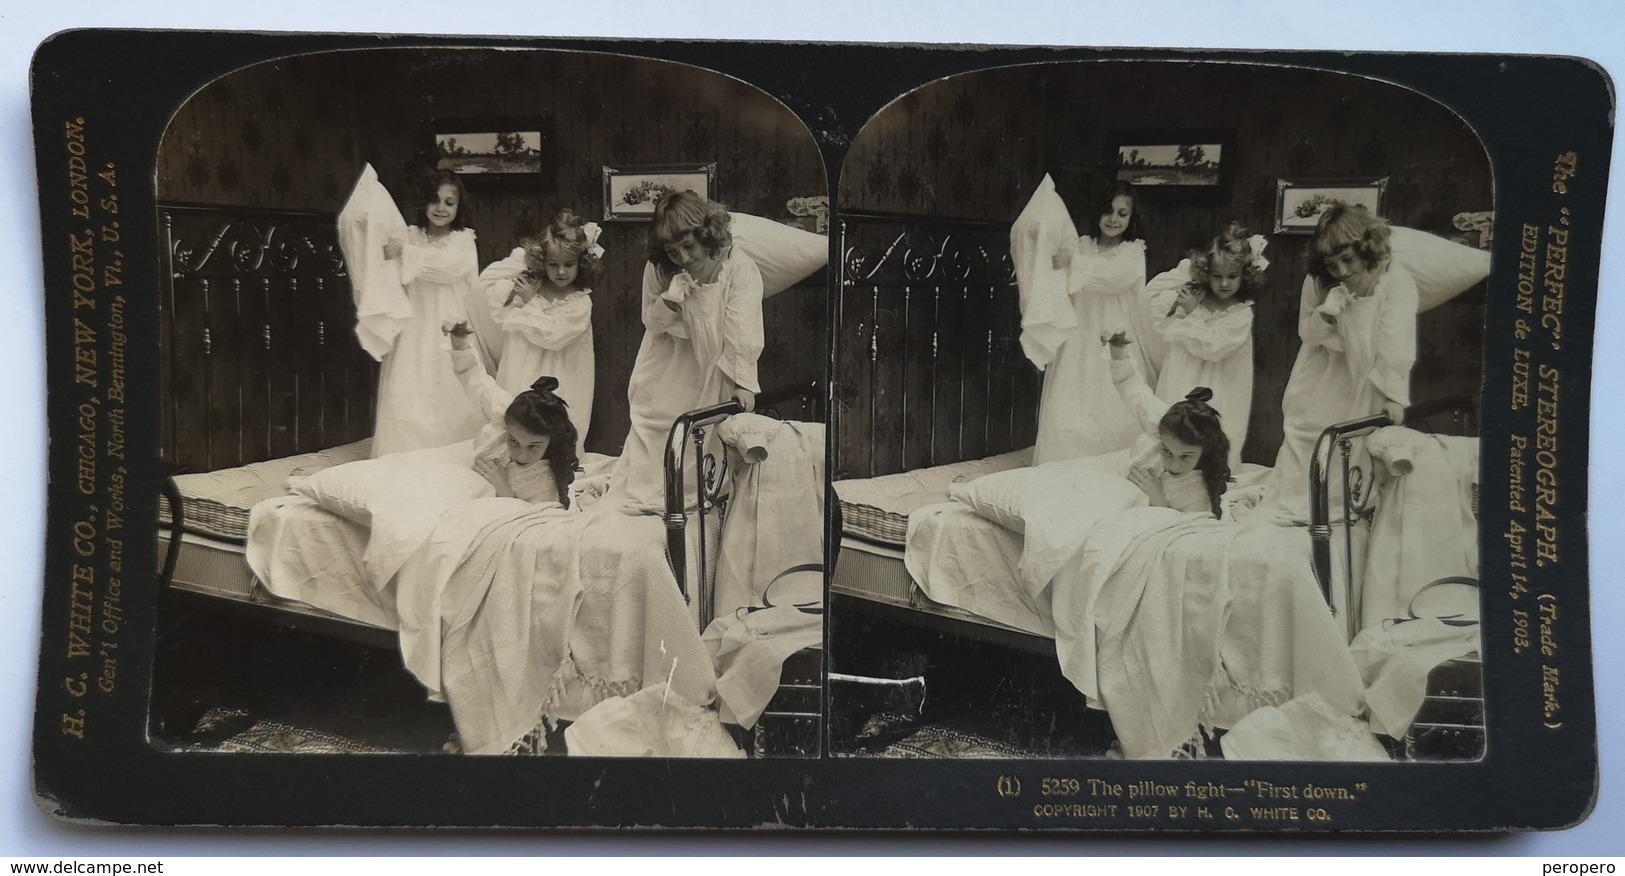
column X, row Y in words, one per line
column 259, row 356
column 930, row 368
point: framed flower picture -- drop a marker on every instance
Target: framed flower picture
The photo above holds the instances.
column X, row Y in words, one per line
column 630, row 191
column 1299, row 203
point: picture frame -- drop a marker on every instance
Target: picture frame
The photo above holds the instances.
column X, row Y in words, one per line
column 1183, row 164
column 630, row 190
column 503, row 150
column 1298, row 203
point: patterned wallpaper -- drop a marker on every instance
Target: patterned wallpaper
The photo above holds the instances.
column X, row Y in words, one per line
column 293, row 135
column 976, row 145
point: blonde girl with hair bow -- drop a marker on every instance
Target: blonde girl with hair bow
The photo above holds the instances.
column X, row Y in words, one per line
column 1208, row 331
column 540, row 297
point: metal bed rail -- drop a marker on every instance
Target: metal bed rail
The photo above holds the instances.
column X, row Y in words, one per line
column 1359, row 493
column 711, row 480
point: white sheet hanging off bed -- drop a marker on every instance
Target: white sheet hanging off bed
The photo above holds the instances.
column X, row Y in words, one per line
column 1199, row 621
column 487, row 595
column 541, row 614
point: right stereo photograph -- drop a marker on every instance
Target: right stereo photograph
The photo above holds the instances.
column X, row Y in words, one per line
column 1155, row 422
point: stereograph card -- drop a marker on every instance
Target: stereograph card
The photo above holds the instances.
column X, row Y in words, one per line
column 482, row 432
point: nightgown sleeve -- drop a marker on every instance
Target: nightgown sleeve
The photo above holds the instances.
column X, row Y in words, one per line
column 1147, row 408
column 657, row 317
column 1312, row 329
column 496, row 281
column 1396, row 336
column 742, row 337
column 1084, row 268
column 1214, row 339
column 412, row 255
column 481, row 388
column 468, row 251
column 551, row 328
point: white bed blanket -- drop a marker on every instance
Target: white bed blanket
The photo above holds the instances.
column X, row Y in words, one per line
column 543, row 613
column 475, row 606
column 1175, row 622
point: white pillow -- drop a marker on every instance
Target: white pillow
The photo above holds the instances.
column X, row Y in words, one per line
column 1441, row 268
column 432, row 478
column 784, row 254
column 1090, row 486
column 1047, row 314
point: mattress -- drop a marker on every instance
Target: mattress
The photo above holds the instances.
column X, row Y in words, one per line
column 877, row 509
column 873, row 572
column 310, row 556
column 210, row 566
column 216, row 507
column 216, row 504
column 958, row 564
column 217, row 568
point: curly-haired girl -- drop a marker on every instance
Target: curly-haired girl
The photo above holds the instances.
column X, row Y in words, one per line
column 1209, row 330
column 541, row 298
column 1357, row 321
column 702, row 318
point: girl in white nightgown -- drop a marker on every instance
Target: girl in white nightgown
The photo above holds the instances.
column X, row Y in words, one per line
column 540, row 297
column 702, row 317
column 420, row 402
column 1181, row 460
column 1080, row 413
column 1357, row 321
column 527, row 448
column 1208, row 332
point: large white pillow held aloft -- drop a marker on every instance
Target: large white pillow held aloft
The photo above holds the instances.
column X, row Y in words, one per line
column 1441, row 268
column 369, row 220
column 784, row 254
column 1047, row 314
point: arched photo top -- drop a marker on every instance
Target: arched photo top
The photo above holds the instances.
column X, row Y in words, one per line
column 529, row 132
column 1203, row 143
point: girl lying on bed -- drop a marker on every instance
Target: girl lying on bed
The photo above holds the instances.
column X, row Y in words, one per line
column 1183, row 460
column 527, row 449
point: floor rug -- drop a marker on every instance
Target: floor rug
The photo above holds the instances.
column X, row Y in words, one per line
column 943, row 742
column 267, row 737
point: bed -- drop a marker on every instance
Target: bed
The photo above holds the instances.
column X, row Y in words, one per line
column 911, row 554
column 264, row 384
